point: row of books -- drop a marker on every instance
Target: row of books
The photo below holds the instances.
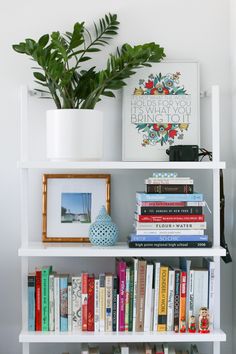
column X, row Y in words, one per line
column 139, row 349
column 142, row 296
column 169, row 214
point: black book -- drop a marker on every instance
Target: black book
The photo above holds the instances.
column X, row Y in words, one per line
column 170, row 188
column 114, row 303
column 170, row 210
column 190, row 244
column 176, row 300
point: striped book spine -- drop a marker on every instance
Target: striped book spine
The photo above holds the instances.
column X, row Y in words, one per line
column 77, row 303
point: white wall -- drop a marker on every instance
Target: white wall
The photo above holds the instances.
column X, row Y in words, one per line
column 188, row 29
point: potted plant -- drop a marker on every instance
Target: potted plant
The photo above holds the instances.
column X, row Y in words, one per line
column 76, row 90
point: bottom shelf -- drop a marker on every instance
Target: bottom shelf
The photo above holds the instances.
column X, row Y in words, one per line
column 120, row 337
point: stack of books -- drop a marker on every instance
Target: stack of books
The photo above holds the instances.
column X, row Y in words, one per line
column 169, row 214
column 142, row 296
column 139, row 349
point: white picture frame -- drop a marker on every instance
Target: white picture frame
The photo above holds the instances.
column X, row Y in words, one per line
column 174, row 113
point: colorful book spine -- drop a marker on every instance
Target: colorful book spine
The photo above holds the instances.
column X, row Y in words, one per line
column 144, row 197
column 77, row 303
column 114, row 303
column 148, row 298
column 108, row 297
column 171, row 225
column 131, row 298
column 170, row 310
column 162, row 305
column 127, row 299
column 179, row 244
column 176, row 300
column 140, row 303
column 169, row 210
column 45, row 297
column 121, row 272
column 170, row 218
column 63, row 304
column 90, row 319
column 102, row 302
column 70, row 311
column 38, row 301
column 84, row 301
column 51, row 303
column 57, row 303
column 96, row 305
column 153, row 238
column 182, row 305
column 31, row 302
column 170, row 204
column 135, row 261
column 156, row 295
column 169, row 232
column 170, row 188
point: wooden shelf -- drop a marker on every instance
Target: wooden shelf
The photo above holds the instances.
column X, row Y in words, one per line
column 39, row 249
column 119, row 337
column 120, row 165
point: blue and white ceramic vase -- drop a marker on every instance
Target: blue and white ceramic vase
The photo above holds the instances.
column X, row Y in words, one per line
column 103, row 232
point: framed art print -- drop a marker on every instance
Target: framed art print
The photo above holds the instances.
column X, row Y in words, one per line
column 160, row 108
column 71, row 202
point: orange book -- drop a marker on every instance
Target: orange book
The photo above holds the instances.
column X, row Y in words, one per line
column 182, row 305
column 84, row 301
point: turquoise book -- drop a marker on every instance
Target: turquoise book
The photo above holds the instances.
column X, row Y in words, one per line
column 46, row 270
column 146, row 197
column 31, row 302
column 64, row 303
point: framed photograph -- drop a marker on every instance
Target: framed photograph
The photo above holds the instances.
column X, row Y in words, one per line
column 71, row 202
column 160, row 108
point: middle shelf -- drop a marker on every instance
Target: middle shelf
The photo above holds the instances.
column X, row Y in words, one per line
column 121, row 249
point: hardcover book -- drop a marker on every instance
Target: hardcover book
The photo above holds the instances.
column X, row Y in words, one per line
column 169, row 210
column 121, row 273
column 169, row 218
column 57, row 302
column 144, row 197
column 38, row 300
column 108, row 295
column 170, row 188
column 176, row 300
column 46, row 270
column 51, row 303
column 90, row 320
column 84, row 278
column 31, row 302
column 63, row 303
column 102, row 302
column 162, row 305
column 77, row 303
column 140, row 303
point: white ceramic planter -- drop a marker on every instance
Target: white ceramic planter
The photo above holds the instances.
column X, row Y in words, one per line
column 74, row 134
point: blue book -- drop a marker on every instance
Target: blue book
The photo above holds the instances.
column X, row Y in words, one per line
column 31, row 302
column 64, row 303
column 145, row 197
column 166, row 238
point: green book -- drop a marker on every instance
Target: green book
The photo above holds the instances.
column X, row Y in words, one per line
column 131, row 297
column 46, row 270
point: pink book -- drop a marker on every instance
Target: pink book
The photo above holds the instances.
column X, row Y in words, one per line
column 121, row 273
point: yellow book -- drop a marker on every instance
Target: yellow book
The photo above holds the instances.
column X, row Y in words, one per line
column 163, row 299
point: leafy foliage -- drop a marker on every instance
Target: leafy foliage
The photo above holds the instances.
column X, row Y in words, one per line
column 60, row 58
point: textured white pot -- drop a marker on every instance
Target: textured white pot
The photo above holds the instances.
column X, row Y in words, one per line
column 74, row 134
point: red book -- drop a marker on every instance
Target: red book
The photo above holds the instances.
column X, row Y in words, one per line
column 170, row 218
column 182, row 305
column 91, row 303
column 38, row 300
column 84, row 301
column 121, row 273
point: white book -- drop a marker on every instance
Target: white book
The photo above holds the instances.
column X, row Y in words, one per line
column 152, row 309
column 200, row 291
column 77, row 303
column 211, row 286
column 96, row 305
column 170, row 225
column 117, row 313
column 156, row 296
column 165, row 348
column 102, row 302
column 148, row 298
column 170, row 305
column 69, row 308
column 191, row 294
column 124, row 349
column 188, row 266
column 108, row 304
column 51, row 303
column 169, row 181
column 135, row 292
column 169, row 232
column 57, row 303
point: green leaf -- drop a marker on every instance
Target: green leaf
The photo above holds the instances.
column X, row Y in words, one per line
column 108, row 94
column 77, row 36
column 43, row 41
column 39, row 76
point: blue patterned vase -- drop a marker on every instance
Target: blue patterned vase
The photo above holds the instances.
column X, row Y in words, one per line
column 103, row 232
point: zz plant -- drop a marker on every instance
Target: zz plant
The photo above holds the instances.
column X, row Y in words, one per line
column 60, row 59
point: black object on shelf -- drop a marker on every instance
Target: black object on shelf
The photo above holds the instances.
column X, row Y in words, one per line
column 183, row 153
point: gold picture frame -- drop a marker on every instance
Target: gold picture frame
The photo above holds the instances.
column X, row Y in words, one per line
column 57, row 217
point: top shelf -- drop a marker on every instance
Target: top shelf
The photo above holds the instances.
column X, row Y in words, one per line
column 121, row 165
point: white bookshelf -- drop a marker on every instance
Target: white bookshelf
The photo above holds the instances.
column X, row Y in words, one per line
column 29, row 249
